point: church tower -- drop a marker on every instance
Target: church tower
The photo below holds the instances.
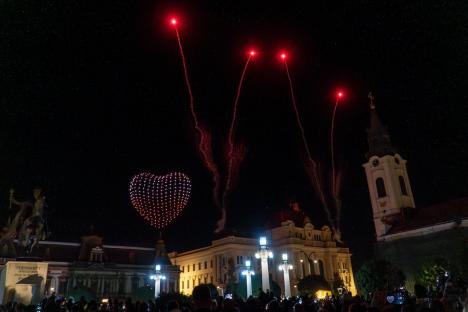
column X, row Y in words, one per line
column 389, row 187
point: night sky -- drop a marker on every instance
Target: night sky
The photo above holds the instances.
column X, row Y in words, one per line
column 92, row 92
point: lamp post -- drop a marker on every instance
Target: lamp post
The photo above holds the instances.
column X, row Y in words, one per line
column 285, row 267
column 157, row 280
column 264, row 253
column 248, row 277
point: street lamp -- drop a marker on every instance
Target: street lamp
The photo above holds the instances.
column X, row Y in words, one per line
column 264, row 253
column 248, row 277
column 285, row 267
column 157, row 280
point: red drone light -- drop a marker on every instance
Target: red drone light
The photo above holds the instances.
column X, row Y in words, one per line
column 283, row 56
column 173, row 21
column 252, row 52
column 340, row 94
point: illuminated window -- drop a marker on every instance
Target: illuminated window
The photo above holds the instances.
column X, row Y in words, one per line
column 402, row 186
column 381, row 192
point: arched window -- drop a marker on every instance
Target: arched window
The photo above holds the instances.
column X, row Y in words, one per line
column 380, row 187
column 402, row 186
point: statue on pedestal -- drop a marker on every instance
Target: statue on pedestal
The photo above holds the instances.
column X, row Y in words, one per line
column 27, row 224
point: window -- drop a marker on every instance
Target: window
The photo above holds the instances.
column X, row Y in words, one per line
column 242, row 260
column 206, row 265
column 205, row 280
column 237, row 259
column 194, row 266
column 321, row 271
column 211, row 279
column 183, row 282
column 188, row 283
column 211, row 263
column 379, row 183
column 182, row 269
column 188, row 268
column 199, row 265
column 402, row 186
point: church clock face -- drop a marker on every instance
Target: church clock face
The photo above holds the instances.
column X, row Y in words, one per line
column 375, row 162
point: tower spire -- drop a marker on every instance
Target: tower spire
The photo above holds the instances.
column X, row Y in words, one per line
column 377, row 134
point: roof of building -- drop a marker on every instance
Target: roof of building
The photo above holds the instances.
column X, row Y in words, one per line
column 70, row 252
column 450, row 211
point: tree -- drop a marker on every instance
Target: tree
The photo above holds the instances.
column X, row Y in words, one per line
column 433, row 272
column 310, row 284
column 338, row 283
column 378, row 275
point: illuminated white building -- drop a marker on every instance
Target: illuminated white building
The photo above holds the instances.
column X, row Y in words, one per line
column 310, row 250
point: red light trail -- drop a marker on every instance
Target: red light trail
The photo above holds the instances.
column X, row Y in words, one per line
column 335, row 183
column 234, row 155
column 204, row 144
column 311, row 166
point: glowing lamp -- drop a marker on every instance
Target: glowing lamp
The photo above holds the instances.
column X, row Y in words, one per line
column 158, row 267
column 284, row 257
column 263, row 241
column 247, row 263
column 315, row 261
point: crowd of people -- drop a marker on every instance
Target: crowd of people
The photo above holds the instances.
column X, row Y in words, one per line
column 202, row 301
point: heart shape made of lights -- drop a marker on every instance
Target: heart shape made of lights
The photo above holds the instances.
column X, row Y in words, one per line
column 160, row 199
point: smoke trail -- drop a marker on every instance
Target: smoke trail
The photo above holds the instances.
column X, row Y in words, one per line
column 311, row 166
column 234, row 155
column 204, row 137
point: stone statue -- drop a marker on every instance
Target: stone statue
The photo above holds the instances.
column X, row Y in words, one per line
column 32, row 228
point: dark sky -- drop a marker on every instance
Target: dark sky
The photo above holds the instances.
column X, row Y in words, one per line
column 92, row 92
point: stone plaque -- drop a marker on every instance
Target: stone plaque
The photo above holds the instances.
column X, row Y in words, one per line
column 23, row 282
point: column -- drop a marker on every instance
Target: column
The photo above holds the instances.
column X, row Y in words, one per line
column 56, row 284
column 265, row 275
column 128, row 284
column 287, row 284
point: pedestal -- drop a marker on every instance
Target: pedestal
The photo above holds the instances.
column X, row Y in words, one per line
column 23, row 282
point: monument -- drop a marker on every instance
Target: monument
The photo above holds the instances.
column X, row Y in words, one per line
column 23, row 281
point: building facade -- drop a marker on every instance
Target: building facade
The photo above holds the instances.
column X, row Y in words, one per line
column 310, row 251
column 96, row 270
